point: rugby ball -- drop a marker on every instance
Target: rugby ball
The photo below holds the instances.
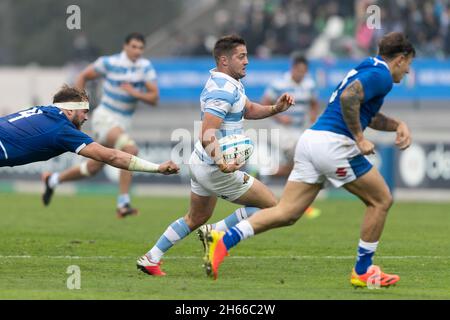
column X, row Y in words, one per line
column 236, row 147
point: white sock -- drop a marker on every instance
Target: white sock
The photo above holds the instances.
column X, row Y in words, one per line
column 155, row 254
column 221, row 226
column 370, row 246
column 122, row 200
column 53, row 181
column 246, row 229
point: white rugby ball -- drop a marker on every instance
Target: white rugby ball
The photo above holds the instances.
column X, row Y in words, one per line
column 236, row 147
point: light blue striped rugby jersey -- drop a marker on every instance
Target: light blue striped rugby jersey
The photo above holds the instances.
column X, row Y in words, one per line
column 117, row 69
column 224, row 97
column 303, row 92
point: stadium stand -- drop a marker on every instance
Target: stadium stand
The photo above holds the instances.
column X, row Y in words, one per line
column 276, row 27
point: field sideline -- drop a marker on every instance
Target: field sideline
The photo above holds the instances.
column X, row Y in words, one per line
column 310, row 260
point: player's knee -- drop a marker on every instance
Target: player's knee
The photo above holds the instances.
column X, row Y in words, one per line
column 289, row 215
column 131, row 149
column 126, row 144
column 384, row 202
column 289, row 220
column 95, row 168
column 88, row 168
column 270, row 201
column 387, row 201
column 195, row 221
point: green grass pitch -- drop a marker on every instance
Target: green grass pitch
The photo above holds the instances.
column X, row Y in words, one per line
column 310, row 260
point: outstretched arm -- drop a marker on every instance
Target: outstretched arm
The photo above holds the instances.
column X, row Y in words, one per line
column 255, row 110
column 123, row 160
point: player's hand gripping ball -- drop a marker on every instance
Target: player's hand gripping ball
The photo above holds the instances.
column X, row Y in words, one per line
column 236, row 148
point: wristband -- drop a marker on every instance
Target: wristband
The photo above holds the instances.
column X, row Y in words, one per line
column 274, row 110
column 138, row 164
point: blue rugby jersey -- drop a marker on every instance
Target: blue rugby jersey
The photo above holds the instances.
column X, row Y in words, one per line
column 38, row 134
column 377, row 82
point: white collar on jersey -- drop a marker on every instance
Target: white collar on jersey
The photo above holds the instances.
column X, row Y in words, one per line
column 219, row 74
column 72, row 105
column 381, row 62
column 124, row 57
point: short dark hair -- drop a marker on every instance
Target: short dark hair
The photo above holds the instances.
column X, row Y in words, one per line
column 394, row 44
column 297, row 58
column 136, row 36
column 226, row 44
column 70, row 94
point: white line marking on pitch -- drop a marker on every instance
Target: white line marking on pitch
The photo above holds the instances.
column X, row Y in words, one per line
column 231, row 257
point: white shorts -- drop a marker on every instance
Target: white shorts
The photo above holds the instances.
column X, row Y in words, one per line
column 104, row 119
column 327, row 157
column 208, row 180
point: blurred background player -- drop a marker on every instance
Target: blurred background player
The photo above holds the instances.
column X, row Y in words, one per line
column 43, row 132
column 333, row 151
column 292, row 122
column 224, row 107
column 128, row 78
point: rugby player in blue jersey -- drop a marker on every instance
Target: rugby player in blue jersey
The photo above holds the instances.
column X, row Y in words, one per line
column 127, row 79
column 43, row 132
column 333, row 151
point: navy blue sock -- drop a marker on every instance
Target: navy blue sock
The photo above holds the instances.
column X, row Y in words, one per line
column 364, row 260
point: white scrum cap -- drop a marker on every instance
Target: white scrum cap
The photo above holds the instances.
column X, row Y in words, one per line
column 72, row 105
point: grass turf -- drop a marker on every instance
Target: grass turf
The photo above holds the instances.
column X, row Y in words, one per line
column 310, row 260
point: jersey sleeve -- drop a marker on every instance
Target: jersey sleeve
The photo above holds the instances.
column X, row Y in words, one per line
column 375, row 84
column 219, row 102
column 100, row 65
column 149, row 73
column 71, row 139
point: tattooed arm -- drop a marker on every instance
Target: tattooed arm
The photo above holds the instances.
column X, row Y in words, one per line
column 384, row 123
column 351, row 99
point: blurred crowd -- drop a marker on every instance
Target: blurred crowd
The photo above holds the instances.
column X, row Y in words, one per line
column 327, row 28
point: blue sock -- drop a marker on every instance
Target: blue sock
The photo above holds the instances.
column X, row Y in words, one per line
column 365, row 254
column 236, row 234
column 232, row 237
